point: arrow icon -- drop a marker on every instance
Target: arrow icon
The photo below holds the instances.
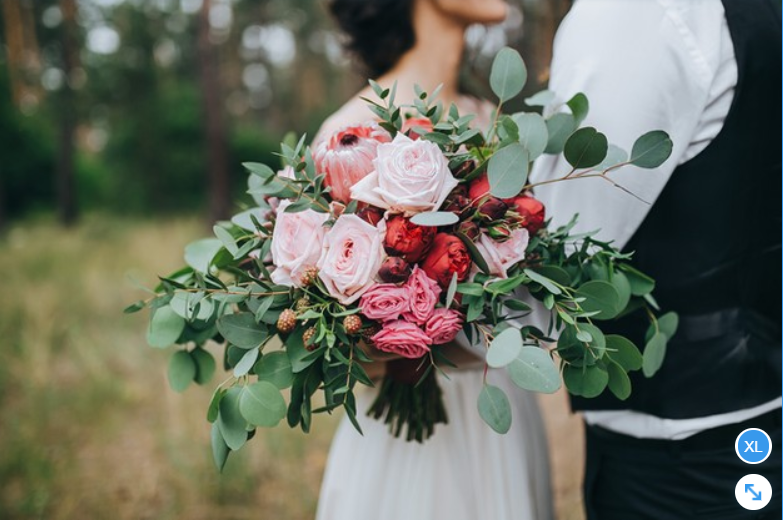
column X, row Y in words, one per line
column 749, row 489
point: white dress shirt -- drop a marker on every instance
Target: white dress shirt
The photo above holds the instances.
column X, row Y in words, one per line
column 644, row 65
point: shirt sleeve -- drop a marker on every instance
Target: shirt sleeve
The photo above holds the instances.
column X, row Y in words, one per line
column 642, row 69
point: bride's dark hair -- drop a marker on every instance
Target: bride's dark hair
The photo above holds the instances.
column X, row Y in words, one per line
column 379, row 31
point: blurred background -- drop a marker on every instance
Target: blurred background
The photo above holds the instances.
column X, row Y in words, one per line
column 123, row 124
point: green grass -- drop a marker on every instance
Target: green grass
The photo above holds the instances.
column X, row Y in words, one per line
column 88, row 425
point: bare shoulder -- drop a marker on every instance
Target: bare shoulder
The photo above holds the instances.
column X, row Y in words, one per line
column 353, row 112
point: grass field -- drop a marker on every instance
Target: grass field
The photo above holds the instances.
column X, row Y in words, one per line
column 88, row 426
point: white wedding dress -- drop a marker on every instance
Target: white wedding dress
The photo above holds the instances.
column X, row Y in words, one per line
column 465, row 471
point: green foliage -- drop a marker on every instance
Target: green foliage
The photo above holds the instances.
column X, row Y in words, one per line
column 494, row 408
column 509, row 74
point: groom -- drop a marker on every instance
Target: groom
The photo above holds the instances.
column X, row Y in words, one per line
column 707, row 72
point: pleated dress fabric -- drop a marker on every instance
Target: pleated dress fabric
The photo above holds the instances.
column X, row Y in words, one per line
column 465, row 471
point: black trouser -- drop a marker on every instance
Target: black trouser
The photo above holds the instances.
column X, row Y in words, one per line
column 637, row 479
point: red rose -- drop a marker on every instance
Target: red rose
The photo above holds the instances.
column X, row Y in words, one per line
column 415, row 127
column 448, row 256
column 394, row 270
column 479, row 187
column 489, row 207
column 405, row 239
column 370, row 214
column 531, row 212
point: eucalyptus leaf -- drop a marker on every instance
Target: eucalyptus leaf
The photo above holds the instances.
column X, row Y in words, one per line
column 668, row 324
column 651, row 150
column 261, row 404
column 533, row 133
column 435, row 218
column 504, row 348
column 534, row 370
column 226, row 238
column 508, row 75
column 205, row 365
column 579, row 106
column 233, row 426
column 587, row 381
column 614, row 156
column 586, row 148
column 220, row 449
column 507, row 171
column 619, row 382
column 275, row 368
column 545, row 282
column 540, row 99
column 654, row 353
column 199, row 254
column 452, row 290
column 259, row 169
column 165, row 327
column 246, row 363
column 242, row 330
column 600, row 296
column 244, row 219
column 641, row 284
column 495, row 409
column 559, row 128
column 182, row 370
column 623, row 352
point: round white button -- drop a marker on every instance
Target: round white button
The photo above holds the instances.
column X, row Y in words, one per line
column 753, row 492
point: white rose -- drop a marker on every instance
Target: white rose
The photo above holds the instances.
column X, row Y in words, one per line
column 296, row 243
column 500, row 256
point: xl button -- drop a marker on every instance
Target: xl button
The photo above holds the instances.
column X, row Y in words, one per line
column 753, row 446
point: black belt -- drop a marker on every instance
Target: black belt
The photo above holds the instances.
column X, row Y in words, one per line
column 714, row 438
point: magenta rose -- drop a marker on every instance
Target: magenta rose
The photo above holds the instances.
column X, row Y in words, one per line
column 423, row 293
column 385, row 302
column 347, row 157
column 443, row 326
column 403, row 339
column 352, row 254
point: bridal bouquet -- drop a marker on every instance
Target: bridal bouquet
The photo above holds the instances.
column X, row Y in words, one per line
column 391, row 238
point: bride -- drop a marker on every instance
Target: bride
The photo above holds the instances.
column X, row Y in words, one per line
column 465, row 471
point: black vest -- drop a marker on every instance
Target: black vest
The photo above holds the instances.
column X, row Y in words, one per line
column 712, row 241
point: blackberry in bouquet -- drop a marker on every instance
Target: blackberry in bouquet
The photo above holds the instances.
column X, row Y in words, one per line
column 390, row 239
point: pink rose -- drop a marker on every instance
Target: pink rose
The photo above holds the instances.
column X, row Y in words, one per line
column 296, row 243
column 423, row 293
column 443, row 326
column 501, row 256
column 410, row 177
column 347, row 157
column 402, row 338
column 385, row 302
column 352, row 254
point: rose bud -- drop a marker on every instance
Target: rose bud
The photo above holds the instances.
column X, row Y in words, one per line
column 500, row 232
column 469, row 229
column 370, row 214
column 457, row 201
column 394, row 270
column 406, row 239
column 531, row 212
column 464, row 169
column 347, row 157
column 491, row 208
column 415, row 127
column 448, row 256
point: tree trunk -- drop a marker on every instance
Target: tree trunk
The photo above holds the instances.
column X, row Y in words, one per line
column 66, row 183
column 217, row 156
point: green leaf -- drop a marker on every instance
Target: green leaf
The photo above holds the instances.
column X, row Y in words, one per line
column 579, row 106
column 559, row 128
column 275, row 368
column 276, row 186
column 641, row 284
column 134, row 307
column 494, row 408
column 260, row 169
column 261, row 404
column 435, row 218
column 578, row 351
column 588, row 381
column 668, row 324
column 654, row 353
column 534, row 370
column 586, row 148
column 600, row 296
column 623, row 352
column 205, row 365
column 226, row 238
column 651, row 150
column 542, row 280
column 220, row 449
column 474, row 253
column 192, row 306
column 165, row 327
column 517, row 305
column 214, row 404
column 470, row 288
column 507, row 171
column 619, row 382
column 232, row 425
column 504, row 348
column 242, row 330
column 533, row 133
column 246, row 363
column 508, row 75
column 623, row 286
column 297, row 353
column 540, row 99
column 182, row 370
column 199, row 254
column 451, row 291
column 614, row 156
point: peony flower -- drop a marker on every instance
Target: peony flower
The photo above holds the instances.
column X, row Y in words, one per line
column 402, row 338
column 407, row 240
column 385, row 302
column 500, row 256
column 347, row 157
column 415, row 127
column 394, row 270
column 531, row 212
column 447, row 256
column 423, row 292
column 352, row 254
column 297, row 241
column 443, row 326
column 410, row 177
